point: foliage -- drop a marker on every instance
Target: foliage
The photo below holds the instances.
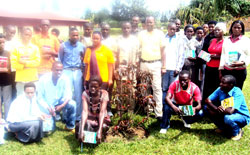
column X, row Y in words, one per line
column 237, row 8
column 200, row 11
column 124, row 10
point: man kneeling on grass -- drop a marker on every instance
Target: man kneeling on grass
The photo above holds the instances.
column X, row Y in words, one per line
column 227, row 108
column 94, row 113
column 186, row 102
column 25, row 118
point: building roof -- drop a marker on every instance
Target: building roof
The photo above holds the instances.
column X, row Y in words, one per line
column 54, row 17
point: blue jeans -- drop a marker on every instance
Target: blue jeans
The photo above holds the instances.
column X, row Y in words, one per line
column 75, row 77
column 231, row 123
column 168, row 111
column 167, row 79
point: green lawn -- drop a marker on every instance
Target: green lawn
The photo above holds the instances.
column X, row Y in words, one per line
column 201, row 139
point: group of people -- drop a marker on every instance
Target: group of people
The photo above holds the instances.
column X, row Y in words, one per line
column 42, row 76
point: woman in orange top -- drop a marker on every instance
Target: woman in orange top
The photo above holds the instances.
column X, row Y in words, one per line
column 98, row 61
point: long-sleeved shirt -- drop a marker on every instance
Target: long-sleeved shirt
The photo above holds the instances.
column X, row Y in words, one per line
column 30, row 54
column 23, row 109
column 174, row 56
column 53, row 94
column 128, row 49
column 70, row 55
column 241, row 47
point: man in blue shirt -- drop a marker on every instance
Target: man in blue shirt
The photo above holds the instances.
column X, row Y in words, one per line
column 70, row 54
column 54, row 93
column 229, row 119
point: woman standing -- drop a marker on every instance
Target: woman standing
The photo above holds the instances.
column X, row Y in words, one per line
column 99, row 61
column 212, row 79
column 236, row 53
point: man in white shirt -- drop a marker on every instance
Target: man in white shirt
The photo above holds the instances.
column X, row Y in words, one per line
column 25, row 118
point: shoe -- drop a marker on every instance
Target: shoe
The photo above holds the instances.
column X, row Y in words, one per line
column 185, row 124
column 110, row 114
column 238, row 137
column 71, row 130
column 219, row 131
column 163, row 131
column 58, row 117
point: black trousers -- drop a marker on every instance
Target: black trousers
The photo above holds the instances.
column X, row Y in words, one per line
column 240, row 76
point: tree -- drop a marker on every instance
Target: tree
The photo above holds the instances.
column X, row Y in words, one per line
column 124, row 10
column 237, row 8
column 102, row 16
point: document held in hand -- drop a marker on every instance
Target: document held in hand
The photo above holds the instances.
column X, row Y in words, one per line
column 228, row 102
column 204, row 55
column 187, row 110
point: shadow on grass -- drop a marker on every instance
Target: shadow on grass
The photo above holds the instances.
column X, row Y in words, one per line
column 207, row 135
column 76, row 147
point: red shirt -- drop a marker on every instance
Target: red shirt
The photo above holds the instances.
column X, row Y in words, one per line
column 184, row 97
column 215, row 48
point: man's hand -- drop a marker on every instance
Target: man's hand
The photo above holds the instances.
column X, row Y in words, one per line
column 177, row 110
column 59, row 107
column 176, row 72
column 163, row 70
column 110, row 82
column 221, row 109
column 52, row 111
column 194, row 110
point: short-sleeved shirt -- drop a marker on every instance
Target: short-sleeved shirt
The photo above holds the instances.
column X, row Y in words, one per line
column 104, row 56
column 240, row 105
column 184, row 97
column 48, row 41
column 5, row 78
column 151, row 44
column 215, row 48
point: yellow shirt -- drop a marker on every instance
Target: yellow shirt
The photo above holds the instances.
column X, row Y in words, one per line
column 31, row 55
column 104, row 56
column 151, row 44
column 42, row 42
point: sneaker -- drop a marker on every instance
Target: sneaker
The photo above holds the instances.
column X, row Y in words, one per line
column 219, row 131
column 238, row 137
column 185, row 124
column 163, row 131
column 58, row 117
column 71, row 130
column 110, row 114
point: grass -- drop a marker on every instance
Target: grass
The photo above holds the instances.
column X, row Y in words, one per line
column 201, row 139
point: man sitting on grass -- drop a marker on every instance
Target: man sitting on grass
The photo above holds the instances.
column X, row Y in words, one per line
column 185, row 93
column 24, row 117
column 227, row 108
column 94, row 113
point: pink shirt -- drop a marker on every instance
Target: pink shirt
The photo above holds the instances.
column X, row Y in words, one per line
column 184, row 97
column 215, row 48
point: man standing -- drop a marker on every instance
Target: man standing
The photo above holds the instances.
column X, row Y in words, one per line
column 25, row 59
column 48, row 45
column 135, row 27
column 179, row 33
column 5, row 79
column 25, row 117
column 153, row 59
column 174, row 59
column 86, row 39
column 10, row 43
column 55, row 94
column 70, row 54
column 107, row 40
column 227, row 108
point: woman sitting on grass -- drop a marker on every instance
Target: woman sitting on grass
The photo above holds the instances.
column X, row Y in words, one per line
column 94, row 113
